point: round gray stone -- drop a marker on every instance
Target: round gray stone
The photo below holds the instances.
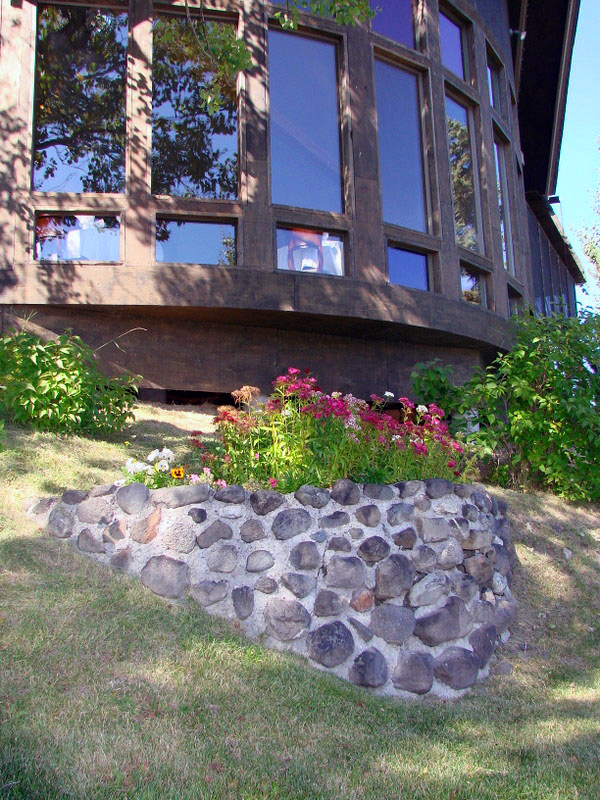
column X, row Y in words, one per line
column 345, row 492
column 300, row 585
column 438, row 487
column 356, row 533
column 115, row 532
column 434, row 529
column 392, row 623
column 217, row 530
column 252, row 530
column 132, row 498
column 73, row 496
column 393, row 577
column 88, row 544
column 378, row 491
column 266, row 585
column 339, row 543
column 400, row 513
column 178, row 496
column 234, row 493
column 291, row 522
column 328, row 604
column 286, row 619
column 429, row 589
column 503, row 615
column 312, row 496
column 447, row 623
column 410, row 488
column 366, row 634
column 482, row 500
column 422, row 503
column 481, row 568
column 424, row 558
column 368, row 515
column 165, row 576
column 369, row 669
column 243, row 601
column 414, row 672
column 208, row 592
column 335, row 520
column 61, row 521
column 265, row 501
column 331, row 644
column 456, row 667
column 259, row 561
column 464, row 586
column 405, row 539
column 482, row 640
column 222, row 559
column 197, row 514
column 470, row 512
column 95, row 511
column 180, row 535
column 305, row 555
column 345, row 572
column 373, row 549
column 463, row 490
column 318, row 536
column 121, row 560
column 451, row 555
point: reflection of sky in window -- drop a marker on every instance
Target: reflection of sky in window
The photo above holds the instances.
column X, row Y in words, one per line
column 500, row 189
column 305, row 143
column 470, row 285
column 93, row 159
column 82, row 237
column 406, row 268
column 185, row 242
column 394, row 19
column 451, row 45
column 310, row 251
column 401, row 163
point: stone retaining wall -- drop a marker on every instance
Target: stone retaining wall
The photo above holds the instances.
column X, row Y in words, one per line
column 404, row 589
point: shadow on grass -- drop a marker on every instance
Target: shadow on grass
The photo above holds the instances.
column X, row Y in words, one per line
column 106, row 691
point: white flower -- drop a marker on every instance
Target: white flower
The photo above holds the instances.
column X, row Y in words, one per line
column 120, row 482
column 153, row 456
column 166, row 454
column 389, row 394
column 422, row 409
column 133, row 467
column 163, row 466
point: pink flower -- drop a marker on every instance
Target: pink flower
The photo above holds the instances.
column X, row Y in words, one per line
column 256, row 456
column 195, row 478
column 452, row 464
column 273, row 482
column 207, row 471
column 293, row 371
column 221, row 484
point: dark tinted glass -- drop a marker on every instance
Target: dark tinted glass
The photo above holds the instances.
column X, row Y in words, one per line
column 300, row 250
column 395, row 20
column 305, row 139
column 461, row 175
column 451, row 44
column 407, row 269
column 184, row 242
column 79, row 129
column 502, row 195
column 194, row 153
column 471, row 286
column 400, row 154
column 81, row 237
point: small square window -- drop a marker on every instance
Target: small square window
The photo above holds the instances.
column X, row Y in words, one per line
column 301, row 250
column 406, row 268
column 77, row 237
column 472, row 285
column 451, row 43
column 394, row 19
column 515, row 303
column 192, row 242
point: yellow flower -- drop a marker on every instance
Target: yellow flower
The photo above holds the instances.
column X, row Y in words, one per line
column 177, row 472
column 126, row 443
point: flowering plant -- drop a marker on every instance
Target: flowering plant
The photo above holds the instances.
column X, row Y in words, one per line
column 302, row 435
column 156, row 471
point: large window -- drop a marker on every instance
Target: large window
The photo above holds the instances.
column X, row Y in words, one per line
column 406, row 268
column 194, row 154
column 305, row 130
column 504, row 208
column 193, row 242
column 394, row 19
column 400, row 151
column 301, row 250
column 77, row 237
column 451, row 43
column 462, row 176
column 79, row 127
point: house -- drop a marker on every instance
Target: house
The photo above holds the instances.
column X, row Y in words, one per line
column 367, row 197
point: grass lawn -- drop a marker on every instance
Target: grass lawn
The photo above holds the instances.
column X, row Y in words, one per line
column 107, row 691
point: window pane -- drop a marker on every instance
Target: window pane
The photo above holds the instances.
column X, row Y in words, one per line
column 80, row 237
column 471, row 285
column 79, row 129
column 451, row 45
column 395, row 20
column 407, row 269
column 400, row 154
column 184, row 242
column 302, row 250
column 194, row 153
column 461, row 175
column 502, row 194
column 305, row 138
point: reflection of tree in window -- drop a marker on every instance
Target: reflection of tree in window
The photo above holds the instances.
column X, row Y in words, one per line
column 194, row 153
column 470, row 286
column 461, row 175
column 79, row 136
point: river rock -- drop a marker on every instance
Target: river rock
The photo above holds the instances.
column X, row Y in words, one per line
column 345, row 572
column 368, row 515
column 243, row 601
column 286, row 619
column 222, row 559
column 414, row 672
column 165, row 576
column 429, row 589
column 208, row 592
column 373, row 549
column 265, row 501
column 456, row 667
column 178, row 496
column 447, row 623
column 95, row 511
column 259, row 561
column 346, row 493
column 482, row 640
column 291, row 522
column 328, row 604
column 405, row 539
column 215, row 531
column 393, row 577
column 266, row 585
column 400, row 513
column 61, row 521
column 305, row 555
column 234, row 493
column 298, row 584
column 335, row 520
column 339, row 543
column 144, row 530
column 252, row 530
column 331, row 644
column 378, row 491
column 87, row 543
column 392, row 623
column 369, row 669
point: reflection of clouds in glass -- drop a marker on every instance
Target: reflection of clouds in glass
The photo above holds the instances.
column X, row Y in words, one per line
column 310, row 251
column 82, row 237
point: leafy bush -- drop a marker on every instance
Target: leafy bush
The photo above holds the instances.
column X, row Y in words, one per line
column 301, row 435
column 431, row 382
column 536, row 408
column 57, row 386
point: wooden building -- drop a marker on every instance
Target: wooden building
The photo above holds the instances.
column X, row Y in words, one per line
column 367, row 197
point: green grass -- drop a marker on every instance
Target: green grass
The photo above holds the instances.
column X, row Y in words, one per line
column 107, row 691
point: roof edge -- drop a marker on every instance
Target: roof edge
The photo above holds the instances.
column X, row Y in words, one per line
column 544, row 213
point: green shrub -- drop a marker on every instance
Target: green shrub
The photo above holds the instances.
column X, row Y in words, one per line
column 57, row 386
column 431, row 382
column 537, row 408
